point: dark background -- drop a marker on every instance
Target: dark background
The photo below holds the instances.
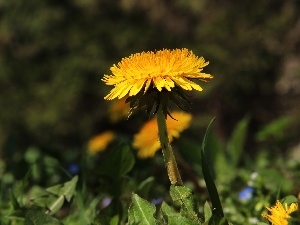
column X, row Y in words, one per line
column 53, row 54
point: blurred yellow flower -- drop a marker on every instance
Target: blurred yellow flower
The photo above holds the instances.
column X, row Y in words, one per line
column 280, row 213
column 118, row 110
column 147, row 142
column 162, row 69
column 98, row 143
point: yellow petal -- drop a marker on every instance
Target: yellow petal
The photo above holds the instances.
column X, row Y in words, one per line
column 137, row 87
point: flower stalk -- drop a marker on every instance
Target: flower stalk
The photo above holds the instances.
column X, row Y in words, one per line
column 169, row 157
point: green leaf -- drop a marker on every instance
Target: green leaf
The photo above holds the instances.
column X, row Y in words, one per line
column 289, row 199
column 114, row 220
column 18, row 214
column 50, row 202
column 58, row 194
column 32, row 155
column 141, row 211
column 189, row 208
column 38, row 217
column 166, row 209
column 275, row 129
column 236, row 142
column 87, row 210
column 67, row 189
column 221, row 169
column 180, row 220
column 118, row 162
column 217, row 220
column 179, row 192
column 14, row 201
column 207, row 212
column 212, row 189
column 294, row 221
column 175, row 218
column 145, row 186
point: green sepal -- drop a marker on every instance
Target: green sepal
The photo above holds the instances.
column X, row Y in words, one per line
column 180, row 99
column 153, row 98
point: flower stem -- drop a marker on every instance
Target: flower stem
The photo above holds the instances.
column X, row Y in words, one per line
column 169, row 157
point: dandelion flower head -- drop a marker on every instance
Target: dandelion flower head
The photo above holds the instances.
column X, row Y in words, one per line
column 99, row 142
column 161, row 70
column 280, row 213
column 147, row 142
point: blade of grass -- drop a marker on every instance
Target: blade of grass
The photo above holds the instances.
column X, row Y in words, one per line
column 212, row 189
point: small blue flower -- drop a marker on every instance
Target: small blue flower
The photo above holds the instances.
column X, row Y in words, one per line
column 73, row 168
column 157, row 201
column 246, row 193
column 106, row 202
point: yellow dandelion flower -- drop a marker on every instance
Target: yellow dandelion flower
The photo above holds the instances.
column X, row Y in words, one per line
column 118, row 110
column 99, row 142
column 147, row 142
column 161, row 70
column 279, row 213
